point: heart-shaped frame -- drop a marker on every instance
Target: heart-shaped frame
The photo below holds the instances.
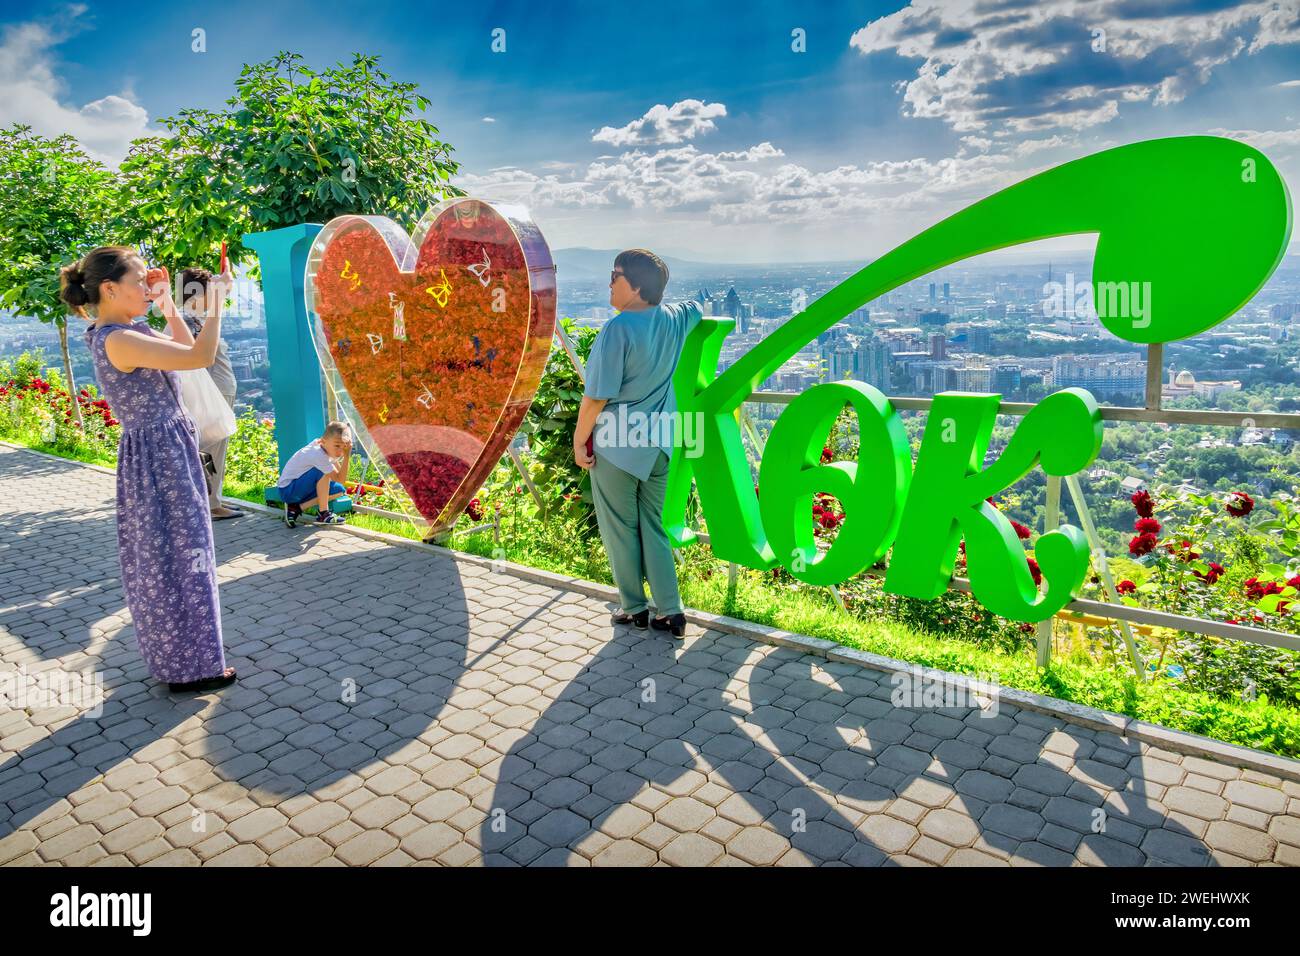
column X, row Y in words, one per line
column 433, row 345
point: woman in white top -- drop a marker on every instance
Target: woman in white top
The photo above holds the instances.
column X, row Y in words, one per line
column 194, row 290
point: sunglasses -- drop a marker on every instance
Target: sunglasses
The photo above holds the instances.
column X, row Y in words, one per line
column 613, row 276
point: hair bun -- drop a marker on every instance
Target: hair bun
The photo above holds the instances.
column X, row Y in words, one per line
column 72, row 286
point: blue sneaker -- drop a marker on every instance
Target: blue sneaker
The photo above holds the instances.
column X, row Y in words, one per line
column 329, row 517
column 291, row 515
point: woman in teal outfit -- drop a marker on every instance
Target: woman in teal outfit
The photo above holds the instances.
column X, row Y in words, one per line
column 628, row 407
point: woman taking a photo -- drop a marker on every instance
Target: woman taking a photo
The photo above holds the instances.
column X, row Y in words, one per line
column 164, row 532
column 632, row 363
column 194, row 304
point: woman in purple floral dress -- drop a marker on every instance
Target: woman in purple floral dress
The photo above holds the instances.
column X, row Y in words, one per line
column 164, row 532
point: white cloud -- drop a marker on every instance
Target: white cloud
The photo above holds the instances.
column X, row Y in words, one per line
column 32, row 93
column 1263, row 140
column 661, row 125
column 511, row 184
column 748, row 186
column 489, row 119
column 1025, row 66
column 1029, row 146
column 1015, row 78
column 763, row 150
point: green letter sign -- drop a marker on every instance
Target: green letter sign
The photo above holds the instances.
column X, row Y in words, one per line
column 1063, row 433
column 1188, row 230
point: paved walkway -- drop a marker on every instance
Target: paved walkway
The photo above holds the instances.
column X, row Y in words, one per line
column 400, row 707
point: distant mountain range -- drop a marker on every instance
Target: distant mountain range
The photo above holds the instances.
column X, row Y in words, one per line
column 583, row 263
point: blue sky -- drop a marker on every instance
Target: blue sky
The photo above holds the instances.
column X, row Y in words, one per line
column 700, row 129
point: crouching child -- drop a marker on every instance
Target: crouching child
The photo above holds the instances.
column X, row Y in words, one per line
column 314, row 475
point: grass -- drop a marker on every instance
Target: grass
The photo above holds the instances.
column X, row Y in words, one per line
column 63, row 451
column 1259, row 723
column 253, row 492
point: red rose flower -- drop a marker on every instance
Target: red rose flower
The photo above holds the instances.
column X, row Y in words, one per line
column 1143, row 504
column 1022, row 532
column 827, row 455
column 475, row 509
column 1239, row 504
column 1146, row 526
column 1126, row 587
column 1035, row 570
column 1294, row 582
column 1142, row 544
column 1256, row 589
column 1212, row 575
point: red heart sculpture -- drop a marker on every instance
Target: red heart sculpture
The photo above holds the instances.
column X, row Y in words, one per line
column 438, row 341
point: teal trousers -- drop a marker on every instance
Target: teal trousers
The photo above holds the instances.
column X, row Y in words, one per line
column 629, row 513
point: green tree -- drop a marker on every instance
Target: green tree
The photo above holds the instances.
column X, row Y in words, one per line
column 292, row 145
column 56, row 204
column 549, row 426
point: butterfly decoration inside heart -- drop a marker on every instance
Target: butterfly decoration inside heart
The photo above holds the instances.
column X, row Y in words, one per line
column 433, row 344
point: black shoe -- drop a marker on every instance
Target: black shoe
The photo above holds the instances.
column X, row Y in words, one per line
column 676, row 624
column 291, row 515
column 207, row 684
column 639, row 620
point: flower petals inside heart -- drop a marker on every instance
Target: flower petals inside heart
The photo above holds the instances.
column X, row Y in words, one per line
column 441, row 362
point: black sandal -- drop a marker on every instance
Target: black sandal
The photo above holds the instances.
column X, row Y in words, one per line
column 208, row 683
column 639, row 620
column 676, row 623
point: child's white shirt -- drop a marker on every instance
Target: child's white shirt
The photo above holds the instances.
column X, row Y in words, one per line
column 304, row 459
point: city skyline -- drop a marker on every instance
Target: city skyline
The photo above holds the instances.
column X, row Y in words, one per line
column 973, row 327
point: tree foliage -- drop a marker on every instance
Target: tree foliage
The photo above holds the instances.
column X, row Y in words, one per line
column 292, row 145
column 56, row 204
